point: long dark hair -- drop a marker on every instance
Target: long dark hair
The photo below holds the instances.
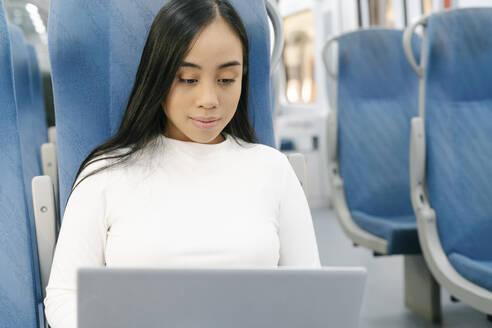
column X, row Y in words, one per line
column 168, row 41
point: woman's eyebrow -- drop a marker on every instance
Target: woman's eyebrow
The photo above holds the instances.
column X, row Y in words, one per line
column 228, row 64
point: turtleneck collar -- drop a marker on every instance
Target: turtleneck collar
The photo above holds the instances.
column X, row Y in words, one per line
column 199, row 150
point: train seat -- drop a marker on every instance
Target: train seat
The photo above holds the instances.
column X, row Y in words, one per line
column 370, row 128
column 20, row 302
column 451, row 148
column 368, row 162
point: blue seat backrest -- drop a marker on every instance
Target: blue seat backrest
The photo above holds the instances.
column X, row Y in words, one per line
column 18, row 300
column 37, row 96
column 377, row 97
column 28, row 124
column 95, row 49
column 458, row 119
column 26, row 114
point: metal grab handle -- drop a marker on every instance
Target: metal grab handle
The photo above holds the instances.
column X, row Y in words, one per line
column 278, row 46
column 407, row 44
column 327, row 45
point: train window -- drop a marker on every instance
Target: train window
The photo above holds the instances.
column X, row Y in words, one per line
column 381, row 13
column 298, row 57
column 426, row 6
column 472, row 3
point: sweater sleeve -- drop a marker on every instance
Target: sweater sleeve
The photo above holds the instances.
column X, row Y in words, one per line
column 81, row 243
column 298, row 246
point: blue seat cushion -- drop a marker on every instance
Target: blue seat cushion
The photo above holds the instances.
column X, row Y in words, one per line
column 478, row 272
column 399, row 231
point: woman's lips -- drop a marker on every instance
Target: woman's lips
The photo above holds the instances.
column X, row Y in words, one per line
column 204, row 125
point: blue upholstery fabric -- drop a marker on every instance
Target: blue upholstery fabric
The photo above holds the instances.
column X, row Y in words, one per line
column 26, row 114
column 399, row 231
column 377, row 97
column 95, row 48
column 27, row 124
column 458, row 116
column 37, row 96
column 478, row 272
column 18, row 301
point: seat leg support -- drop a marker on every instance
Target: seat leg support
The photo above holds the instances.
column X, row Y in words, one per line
column 422, row 292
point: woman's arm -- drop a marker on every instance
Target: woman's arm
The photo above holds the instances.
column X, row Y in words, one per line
column 81, row 243
column 298, row 246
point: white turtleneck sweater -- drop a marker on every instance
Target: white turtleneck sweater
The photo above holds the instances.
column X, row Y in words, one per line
column 182, row 204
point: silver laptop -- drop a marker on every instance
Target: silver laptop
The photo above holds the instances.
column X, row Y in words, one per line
column 220, row 298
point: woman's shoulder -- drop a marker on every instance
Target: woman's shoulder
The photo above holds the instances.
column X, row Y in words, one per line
column 263, row 152
column 100, row 165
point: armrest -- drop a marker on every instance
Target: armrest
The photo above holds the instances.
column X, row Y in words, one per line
column 419, row 195
column 46, row 225
column 298, row 163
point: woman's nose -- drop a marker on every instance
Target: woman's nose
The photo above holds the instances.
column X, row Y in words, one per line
column 207, row 95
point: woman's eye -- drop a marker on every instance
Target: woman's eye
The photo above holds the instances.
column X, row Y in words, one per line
column 226, row 81
column 194, row 81
column 188, row 81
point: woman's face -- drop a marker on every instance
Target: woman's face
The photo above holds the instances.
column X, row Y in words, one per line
column 207, row 86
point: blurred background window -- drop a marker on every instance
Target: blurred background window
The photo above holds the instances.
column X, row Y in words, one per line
column 426, row 6
column 381, row 13
column 298, row 57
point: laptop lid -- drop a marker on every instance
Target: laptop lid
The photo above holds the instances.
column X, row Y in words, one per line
column 220, row 298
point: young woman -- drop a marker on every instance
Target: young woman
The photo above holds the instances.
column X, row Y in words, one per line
column 183, row 182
